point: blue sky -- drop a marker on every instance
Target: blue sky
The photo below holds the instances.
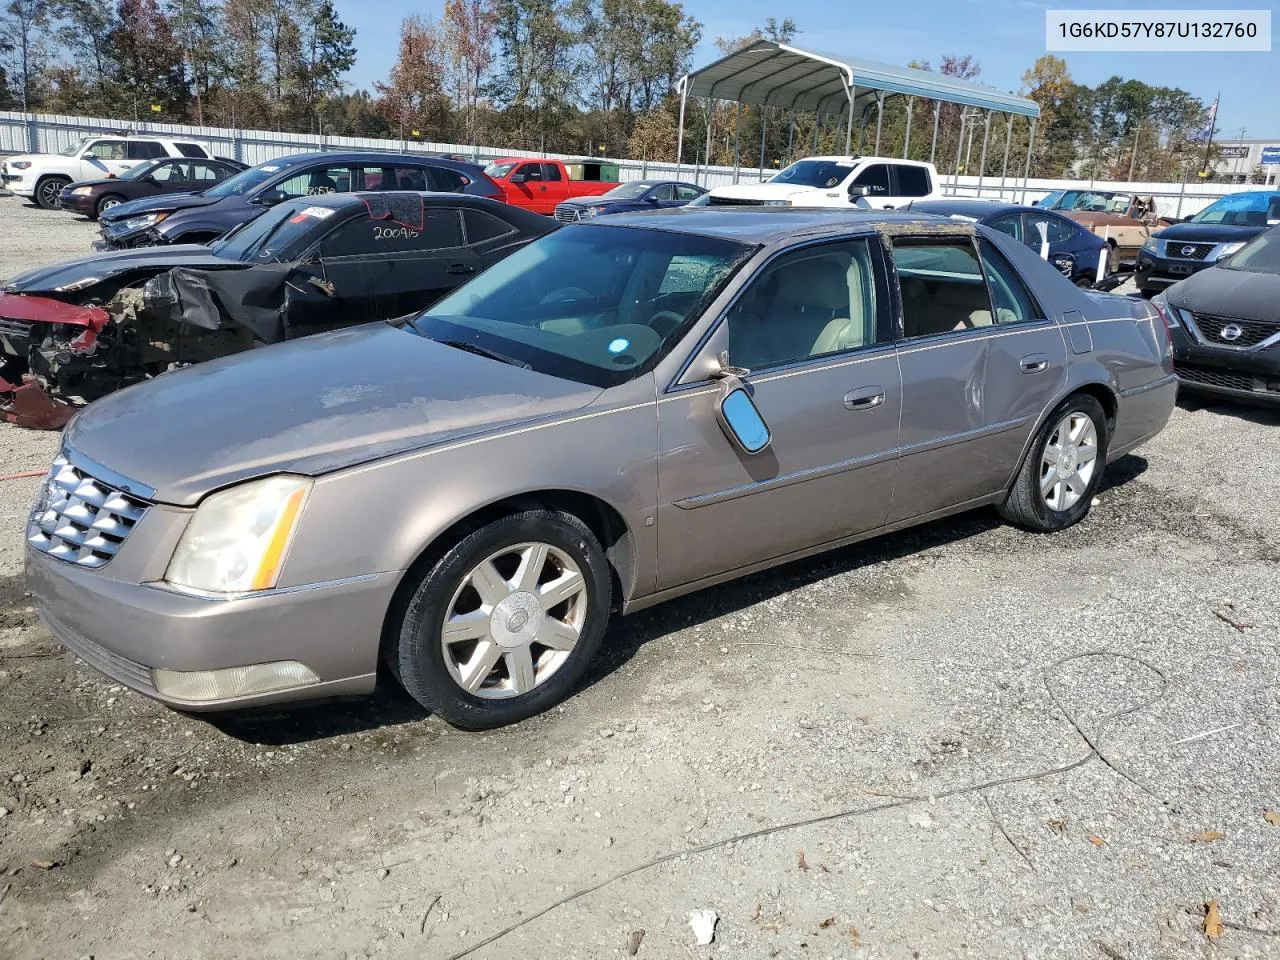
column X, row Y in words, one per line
column 1006, row 36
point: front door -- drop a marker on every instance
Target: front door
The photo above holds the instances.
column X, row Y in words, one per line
column 812, row 327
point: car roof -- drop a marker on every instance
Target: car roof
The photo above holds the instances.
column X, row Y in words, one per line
column 855, row 158
column 972, row 208
column 764, row 225
column 368, row 156
column 441, row 198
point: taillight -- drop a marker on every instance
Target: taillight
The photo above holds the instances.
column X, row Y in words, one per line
column 1161, row 310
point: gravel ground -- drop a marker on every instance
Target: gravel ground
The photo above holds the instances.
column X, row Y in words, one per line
column 962, row 741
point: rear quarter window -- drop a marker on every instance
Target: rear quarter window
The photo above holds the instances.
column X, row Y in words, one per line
column 913, row 181
column 482, row 226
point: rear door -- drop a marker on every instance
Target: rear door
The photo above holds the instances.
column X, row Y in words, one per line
column 555, row 187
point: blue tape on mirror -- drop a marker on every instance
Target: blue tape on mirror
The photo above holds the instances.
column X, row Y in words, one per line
column 744, row 420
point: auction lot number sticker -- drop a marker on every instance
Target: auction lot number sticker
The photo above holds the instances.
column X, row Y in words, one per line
column 1126, row 30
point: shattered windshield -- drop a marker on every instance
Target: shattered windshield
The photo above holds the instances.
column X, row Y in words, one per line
column 595, row 304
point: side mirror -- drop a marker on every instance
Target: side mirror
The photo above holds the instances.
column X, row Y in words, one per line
column 859, row 190
column 89, row 156
column 517, row 178
column 269, row 198
column 741, row 420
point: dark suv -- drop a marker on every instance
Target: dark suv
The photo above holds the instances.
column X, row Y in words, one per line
column 1220, row 229
column 201, row 217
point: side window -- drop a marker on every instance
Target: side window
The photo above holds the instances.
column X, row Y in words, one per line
column 876, row 177
column 807, row 303
column 144, row 150
column 317, row 181
column 190, row 149
column 661, row 193
column 550, row 171
column 446, row 180
column 483, row 226
column 1013, row 301
column 1012, row 225
column 170, row 171
column 354, row 238
column 942, row 286
column 1060, row 230
column 912, row 181
column 687, row 193
column 108, row 149
column 531, row 171
column 441, row 230
column 206, row 173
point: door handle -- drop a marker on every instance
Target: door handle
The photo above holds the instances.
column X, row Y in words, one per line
column 543, row 189
column 1034, row 363
column 865, row 398
column 461, row 269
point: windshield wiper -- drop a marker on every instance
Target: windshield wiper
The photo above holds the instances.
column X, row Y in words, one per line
column 480, row 351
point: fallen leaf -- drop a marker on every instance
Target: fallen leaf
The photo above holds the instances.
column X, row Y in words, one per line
column 823, row 868
column 43, row 864
column 1212, row 920
column 1272, row 817
column 826, row 923
column 759, row 911
column 1096, row 840
column 1208, row 836
column 800, row 861
column 855, row 935
column 633, row 944
column 1059, row 825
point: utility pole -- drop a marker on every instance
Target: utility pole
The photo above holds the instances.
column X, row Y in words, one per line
column 1208, row 144
column 1134, row 156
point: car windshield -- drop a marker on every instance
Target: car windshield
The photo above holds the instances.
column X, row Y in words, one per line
column 814, row 173
column 1091, row 201
column 140, row 170
column 72, row 150
column 246, row 180
column 273, row 234
column 1259, row 255
column 500, row 170
column 629, row 191
column 1049, row 200
column 1242, row 210
column 595, row 304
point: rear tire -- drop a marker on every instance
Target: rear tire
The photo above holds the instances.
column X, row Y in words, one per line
column 1063, row 469
column 48, row 190
column 518, row 647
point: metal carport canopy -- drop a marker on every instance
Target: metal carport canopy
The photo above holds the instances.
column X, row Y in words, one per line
column 777, row 74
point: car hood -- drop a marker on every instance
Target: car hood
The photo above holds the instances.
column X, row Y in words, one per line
column 104, row 266
column 26, row 158
column 766, row 191
column 100, row 182
column 309, row 406
column 1208, row 232
column 163, row 201
column 599, row 201
column 1222, row 292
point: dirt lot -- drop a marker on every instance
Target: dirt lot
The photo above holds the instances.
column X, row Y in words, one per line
column 965, row 741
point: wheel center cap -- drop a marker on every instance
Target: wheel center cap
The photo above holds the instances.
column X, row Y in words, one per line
column 516, row 620
column 1067, row 460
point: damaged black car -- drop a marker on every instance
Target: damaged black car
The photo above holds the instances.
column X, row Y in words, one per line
column 73, row 332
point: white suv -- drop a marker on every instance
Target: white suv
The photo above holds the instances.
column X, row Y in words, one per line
column 41, row 176
column 878, row 183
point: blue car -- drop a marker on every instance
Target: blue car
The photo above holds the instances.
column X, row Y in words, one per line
column 628, row 198
column 1072, row 249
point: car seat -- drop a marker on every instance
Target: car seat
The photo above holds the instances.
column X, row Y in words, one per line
column 806, row 315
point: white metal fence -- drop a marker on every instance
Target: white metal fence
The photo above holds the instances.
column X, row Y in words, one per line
column 49, row 133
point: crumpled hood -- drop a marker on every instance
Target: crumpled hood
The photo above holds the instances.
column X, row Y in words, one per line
column 104, row 266
column 1222, row 292
column 161, row 201
column 1208, row 233
column 309, row 406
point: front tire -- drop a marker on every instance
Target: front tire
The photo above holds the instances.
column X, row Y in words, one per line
column 49, row 191
column 106, row 203
column 1063, row 469
column 504, row 624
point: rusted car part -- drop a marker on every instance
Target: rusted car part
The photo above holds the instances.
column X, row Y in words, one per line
column 27, row 405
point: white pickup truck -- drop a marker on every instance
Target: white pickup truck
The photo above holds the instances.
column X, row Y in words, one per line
column 41, row 176
column 876, row 183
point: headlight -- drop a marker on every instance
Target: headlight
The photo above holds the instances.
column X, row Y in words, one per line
column 21, row 164
column 82, row 191
column 146, row 220
column 1227, row 249
column 1151, row 245
column 237, row 540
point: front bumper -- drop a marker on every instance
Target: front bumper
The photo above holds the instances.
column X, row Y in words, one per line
column 1226, row 372
column 124, row 630
column 1154, row 271
column 77, row 203
column 149, row 237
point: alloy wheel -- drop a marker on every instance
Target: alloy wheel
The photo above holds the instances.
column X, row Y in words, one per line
column 1069, row 460
column 514, row 620
column 51, row 195
column 108, row 203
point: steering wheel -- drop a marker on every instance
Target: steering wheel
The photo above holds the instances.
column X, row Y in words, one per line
column 666, row 322
column 566, row 295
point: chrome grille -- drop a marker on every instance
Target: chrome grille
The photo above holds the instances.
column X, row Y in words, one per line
column 566, row 214
column 1252, row 332
column 80, row 519
column 1187, row 251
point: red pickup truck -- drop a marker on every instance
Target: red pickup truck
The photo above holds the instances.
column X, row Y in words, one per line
column 538, row 185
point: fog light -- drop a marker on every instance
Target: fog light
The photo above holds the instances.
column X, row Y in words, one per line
column 233, row 681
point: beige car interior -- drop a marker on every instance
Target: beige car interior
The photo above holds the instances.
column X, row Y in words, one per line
column 804, row 306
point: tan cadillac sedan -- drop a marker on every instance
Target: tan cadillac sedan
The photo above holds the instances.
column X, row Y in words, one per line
column 617, row 414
